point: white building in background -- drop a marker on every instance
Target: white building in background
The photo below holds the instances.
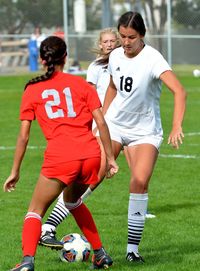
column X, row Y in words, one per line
column 80, row 16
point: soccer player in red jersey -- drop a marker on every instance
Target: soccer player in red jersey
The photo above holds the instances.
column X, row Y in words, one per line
column 64, row 106
column 97, row 76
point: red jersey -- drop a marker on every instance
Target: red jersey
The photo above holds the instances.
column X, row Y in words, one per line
column 63, row 107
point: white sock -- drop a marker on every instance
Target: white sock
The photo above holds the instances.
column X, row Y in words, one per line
column 58, row 214
column 136, row 219
column 86, row 194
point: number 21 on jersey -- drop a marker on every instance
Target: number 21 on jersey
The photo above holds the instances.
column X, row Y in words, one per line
column 59, row 113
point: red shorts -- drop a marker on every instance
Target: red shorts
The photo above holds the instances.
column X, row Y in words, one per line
column 80, row 171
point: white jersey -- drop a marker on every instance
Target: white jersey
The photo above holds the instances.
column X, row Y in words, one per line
column 136, row 106
column 100, row 77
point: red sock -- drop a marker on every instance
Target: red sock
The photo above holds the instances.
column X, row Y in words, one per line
column 87, row 225
column 31, row 233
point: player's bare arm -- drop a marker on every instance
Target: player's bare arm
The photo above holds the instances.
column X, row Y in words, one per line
column 176, row 134
column 22, row 142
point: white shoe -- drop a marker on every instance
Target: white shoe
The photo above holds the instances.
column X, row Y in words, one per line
column 149, row 215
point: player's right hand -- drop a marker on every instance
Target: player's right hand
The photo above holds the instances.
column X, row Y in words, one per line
column 112, row 169
column 10, row 183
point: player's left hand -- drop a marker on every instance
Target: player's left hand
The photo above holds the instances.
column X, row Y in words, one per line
column 176, row 137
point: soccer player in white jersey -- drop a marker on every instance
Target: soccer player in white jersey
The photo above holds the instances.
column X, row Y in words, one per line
column 97, row 73
column 132, row 113
column 99, row 77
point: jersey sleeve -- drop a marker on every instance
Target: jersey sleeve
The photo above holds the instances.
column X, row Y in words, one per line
column 92, row 73
column 115, row 54
column 110, row 64
column 27, row 109
column 92, row 97
column 160, row 65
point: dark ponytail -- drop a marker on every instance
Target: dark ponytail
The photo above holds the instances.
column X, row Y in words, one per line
column 53, row 51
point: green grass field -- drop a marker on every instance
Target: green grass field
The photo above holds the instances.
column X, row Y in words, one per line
column 170, row 242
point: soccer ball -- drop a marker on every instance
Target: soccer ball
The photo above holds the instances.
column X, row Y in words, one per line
column 196, row 73
column 76, row 248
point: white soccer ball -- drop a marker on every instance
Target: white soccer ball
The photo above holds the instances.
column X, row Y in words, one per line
column 196, row 73
column 76, row 248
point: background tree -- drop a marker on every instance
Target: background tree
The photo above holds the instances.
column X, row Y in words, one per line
column 16, row 15
column 93, row 15
column 187, row 13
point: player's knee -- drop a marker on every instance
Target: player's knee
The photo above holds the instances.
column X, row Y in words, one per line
column 139, row 185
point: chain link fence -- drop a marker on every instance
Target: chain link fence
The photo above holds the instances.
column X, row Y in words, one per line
column 172, row 28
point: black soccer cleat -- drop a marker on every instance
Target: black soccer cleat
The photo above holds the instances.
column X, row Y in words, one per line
column 134, row 257
column 27, row 264
column 48, row 239
column 102, row 262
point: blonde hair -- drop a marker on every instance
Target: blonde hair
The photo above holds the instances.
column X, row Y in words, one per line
column 102, row 57
column 108, row 30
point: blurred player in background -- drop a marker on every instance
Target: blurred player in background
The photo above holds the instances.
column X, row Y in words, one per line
column 64, row 106
column 97, row 73
column 33, row 47
column 59, row 32
column 132, row 112
column 38, row 36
